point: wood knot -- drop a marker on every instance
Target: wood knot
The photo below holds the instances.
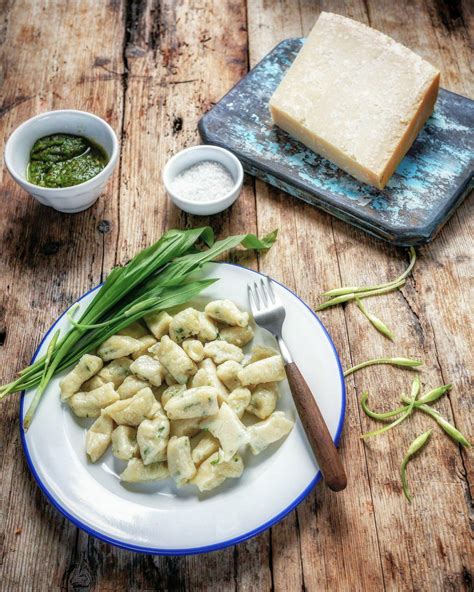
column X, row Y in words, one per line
column 101, row 61
column 177, row 124
column 80, row 578
column 104, row 226
column 51, row 247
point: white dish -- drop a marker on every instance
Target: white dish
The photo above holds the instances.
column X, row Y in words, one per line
column 157, row 518
column 68, row 121
column 190, row 156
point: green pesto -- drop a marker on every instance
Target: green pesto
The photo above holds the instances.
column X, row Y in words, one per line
column 63, row 160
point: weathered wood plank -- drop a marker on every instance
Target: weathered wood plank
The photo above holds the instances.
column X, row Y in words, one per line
column 180, row 57
column 47, row 259
column 442, row 462
column 362, row 260
column 305, row 259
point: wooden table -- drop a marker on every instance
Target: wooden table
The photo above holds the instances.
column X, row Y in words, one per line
column 151, row 69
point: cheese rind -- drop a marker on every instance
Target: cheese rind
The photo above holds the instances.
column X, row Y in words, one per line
column 356, row 97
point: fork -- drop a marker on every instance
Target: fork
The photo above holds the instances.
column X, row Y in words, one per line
column 269, row 313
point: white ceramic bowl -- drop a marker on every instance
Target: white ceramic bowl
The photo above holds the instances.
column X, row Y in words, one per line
column 68, row 121
column 191, row 156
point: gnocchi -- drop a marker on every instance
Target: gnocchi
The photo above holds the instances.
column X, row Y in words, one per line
column 239, row 400
column 158, row 323
column 171, row 391
column 136, row 471
column 228, row 372
column 264, row 433
column 136, row 330
column 267, row 370
column 221, row 351
column 159, row 383
column 227, row 312
column 194, row 348
column 99, row 436
column 212, row 379
column 124, row 442
column 134, row 410
column 207, row 328
column 130, row 386
column 85, row 369
column 147, row 368
column 180, row 462
column 229, row 430
column 214, row 471
column 203, row 449
column 238, row 336
column 147, row 341
column 118, row 346
column 92, row 384
column 116, row 371
column 175, row 360
column 263, row 400
column 152, row 438
column 184, row 324
column 200, row 401
column 186, row 427
column 90, row 404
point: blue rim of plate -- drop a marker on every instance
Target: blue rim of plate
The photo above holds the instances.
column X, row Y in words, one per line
column 193, row 550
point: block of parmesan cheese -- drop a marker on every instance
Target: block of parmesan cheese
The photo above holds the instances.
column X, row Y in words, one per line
column 356, row 97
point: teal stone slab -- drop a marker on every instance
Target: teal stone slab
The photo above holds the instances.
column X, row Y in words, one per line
column 430, row 182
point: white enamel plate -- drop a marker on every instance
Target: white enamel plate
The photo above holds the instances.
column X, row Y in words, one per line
column 157, row 517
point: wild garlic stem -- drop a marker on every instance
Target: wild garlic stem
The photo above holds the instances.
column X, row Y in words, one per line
column 379, row 416
column 452, row 432
column 414, row 447
column 391, row 361
column 376, row 322
column 389, row 426
column 161, row 269
column 352, row 289
column 415, row 389
column 43, row 384
column 363, row 294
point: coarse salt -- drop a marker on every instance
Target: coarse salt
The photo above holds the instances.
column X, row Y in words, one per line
column 206, row 181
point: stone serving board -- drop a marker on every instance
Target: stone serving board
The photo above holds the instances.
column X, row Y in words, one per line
column 429, row 184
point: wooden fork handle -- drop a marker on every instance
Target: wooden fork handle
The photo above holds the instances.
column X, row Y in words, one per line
column 316, row 430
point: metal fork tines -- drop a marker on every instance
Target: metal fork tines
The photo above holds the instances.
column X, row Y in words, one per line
column 268, row 311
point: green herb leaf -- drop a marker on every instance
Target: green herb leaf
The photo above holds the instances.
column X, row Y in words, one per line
column 155, row 279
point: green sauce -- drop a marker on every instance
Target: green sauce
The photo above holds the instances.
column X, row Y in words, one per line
column 63, row 160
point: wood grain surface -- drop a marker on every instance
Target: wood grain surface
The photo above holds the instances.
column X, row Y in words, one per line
column 151, row 68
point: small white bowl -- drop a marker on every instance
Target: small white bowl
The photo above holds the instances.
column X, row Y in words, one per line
column 80, row 123
column 191, row 156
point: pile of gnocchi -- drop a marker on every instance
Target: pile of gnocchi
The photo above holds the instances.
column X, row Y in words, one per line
column 170, row 394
